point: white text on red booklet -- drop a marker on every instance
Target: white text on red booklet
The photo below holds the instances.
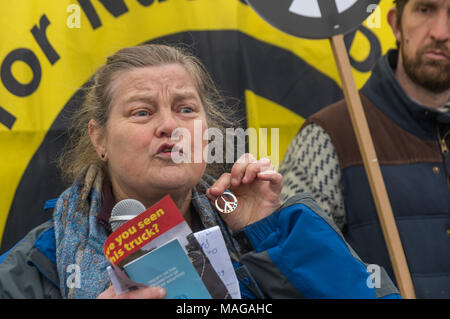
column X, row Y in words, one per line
column 141, row 230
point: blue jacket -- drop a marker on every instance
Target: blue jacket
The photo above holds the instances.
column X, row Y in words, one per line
column 297, row 252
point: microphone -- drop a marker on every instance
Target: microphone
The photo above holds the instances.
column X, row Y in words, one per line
column 125, row 210
column 128, row 209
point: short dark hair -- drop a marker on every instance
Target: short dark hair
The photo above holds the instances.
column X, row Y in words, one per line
column 400, row 5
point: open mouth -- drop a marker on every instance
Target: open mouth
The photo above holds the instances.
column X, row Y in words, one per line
column 166, row 150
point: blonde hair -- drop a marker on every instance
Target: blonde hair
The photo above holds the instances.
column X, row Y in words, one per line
column 79, row 151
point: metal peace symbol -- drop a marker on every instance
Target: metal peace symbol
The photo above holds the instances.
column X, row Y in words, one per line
column 229, row 206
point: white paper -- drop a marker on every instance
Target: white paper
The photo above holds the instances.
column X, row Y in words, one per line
column 214, row 247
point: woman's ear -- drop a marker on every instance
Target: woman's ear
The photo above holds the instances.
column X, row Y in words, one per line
column 97, row 139
column 395, row 24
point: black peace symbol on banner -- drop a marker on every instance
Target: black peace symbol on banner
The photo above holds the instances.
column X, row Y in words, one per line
column 314, row 19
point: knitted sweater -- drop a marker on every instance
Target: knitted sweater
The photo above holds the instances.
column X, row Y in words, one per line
column 311, row 165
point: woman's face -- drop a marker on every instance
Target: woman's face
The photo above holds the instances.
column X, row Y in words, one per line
column 148, row 104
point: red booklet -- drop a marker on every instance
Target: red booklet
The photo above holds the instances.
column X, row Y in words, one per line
column 149, row 230
column 133, row 248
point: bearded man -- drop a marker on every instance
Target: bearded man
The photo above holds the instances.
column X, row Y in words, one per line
column 406, row 101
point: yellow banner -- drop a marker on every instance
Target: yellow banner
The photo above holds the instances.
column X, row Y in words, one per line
column 50, row 48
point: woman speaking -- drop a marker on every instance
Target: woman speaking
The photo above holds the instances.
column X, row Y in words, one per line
column 121, row 146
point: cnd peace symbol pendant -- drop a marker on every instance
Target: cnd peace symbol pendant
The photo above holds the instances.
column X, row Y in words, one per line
column 230, row 201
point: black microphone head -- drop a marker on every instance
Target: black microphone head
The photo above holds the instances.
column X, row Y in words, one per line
column 125, row 210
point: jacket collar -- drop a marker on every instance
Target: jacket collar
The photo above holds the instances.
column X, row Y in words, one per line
column 386, row 93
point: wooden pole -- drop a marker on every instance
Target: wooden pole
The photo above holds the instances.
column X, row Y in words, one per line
column 372, row 167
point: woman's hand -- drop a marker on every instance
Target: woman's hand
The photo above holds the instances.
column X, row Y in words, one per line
column 257, row 187
column 143, row 293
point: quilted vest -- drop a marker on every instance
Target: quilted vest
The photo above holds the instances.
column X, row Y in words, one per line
column 410, row 141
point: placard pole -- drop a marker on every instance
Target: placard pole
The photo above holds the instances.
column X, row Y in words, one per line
column 372, row 167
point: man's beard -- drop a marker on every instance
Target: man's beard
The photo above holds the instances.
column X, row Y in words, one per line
column 432, row 75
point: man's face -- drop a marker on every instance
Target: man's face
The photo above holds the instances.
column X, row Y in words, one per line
column 424, row 34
